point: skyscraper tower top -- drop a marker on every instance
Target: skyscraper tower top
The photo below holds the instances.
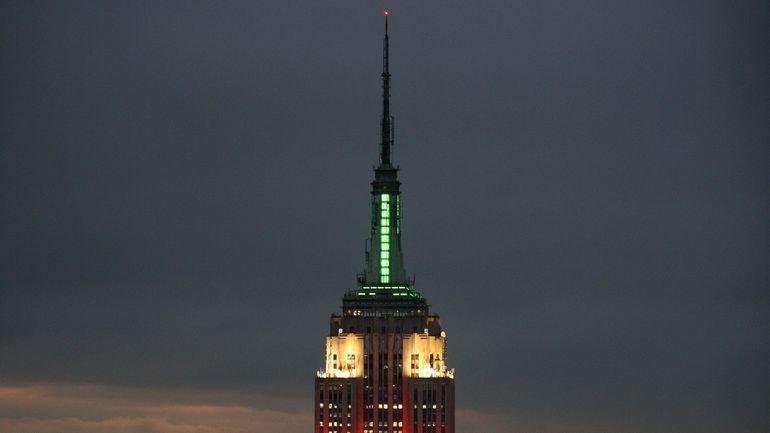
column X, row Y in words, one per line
column 385, row 369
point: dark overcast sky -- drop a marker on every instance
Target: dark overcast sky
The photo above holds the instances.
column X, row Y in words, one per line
column 184, row 190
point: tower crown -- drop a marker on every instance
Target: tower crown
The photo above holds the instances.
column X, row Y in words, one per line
column 384, row 278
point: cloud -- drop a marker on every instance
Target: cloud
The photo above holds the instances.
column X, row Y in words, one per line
column 65, row 408
column 480, row 421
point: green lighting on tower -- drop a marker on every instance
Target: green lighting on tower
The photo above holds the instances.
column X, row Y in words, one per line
column 384, row 238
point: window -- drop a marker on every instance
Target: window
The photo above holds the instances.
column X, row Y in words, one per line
column 351, row 361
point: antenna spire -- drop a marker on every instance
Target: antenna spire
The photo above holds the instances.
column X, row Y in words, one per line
column 387, row 119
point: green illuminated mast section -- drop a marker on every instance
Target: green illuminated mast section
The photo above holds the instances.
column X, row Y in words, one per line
column 385, row 239
column 384, row 256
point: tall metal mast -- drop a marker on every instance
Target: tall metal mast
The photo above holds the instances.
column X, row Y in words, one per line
column 387, row 119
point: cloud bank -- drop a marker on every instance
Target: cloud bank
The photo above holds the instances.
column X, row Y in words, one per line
column 65, row 408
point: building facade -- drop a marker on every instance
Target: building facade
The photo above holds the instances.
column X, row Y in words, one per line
column 385, row 369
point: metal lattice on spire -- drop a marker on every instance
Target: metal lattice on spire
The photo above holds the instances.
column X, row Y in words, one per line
column 387, row 119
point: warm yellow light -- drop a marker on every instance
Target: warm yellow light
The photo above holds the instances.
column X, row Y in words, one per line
column 424, row 352
column 344, row 356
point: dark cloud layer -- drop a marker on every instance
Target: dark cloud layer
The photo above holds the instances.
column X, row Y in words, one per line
column 185, row 184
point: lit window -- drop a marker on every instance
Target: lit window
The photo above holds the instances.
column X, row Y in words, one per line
column 385, row 247
column 385, row 254
column 385, row 197
column 385, row 263
column 385, row 230
column 351, row 362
